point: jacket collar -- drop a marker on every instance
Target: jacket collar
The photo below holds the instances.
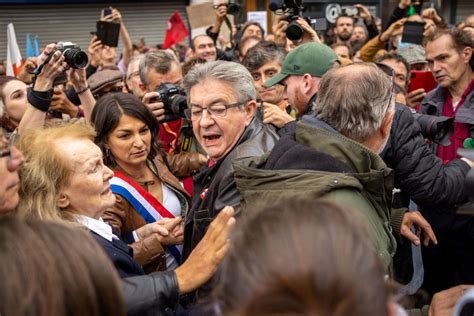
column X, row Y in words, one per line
column 326, row 139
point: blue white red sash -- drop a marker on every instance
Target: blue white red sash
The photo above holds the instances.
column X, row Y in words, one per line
column 149, row 208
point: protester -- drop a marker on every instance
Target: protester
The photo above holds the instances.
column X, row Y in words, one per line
column 10, row 160
column 158, row 68
column 126, row 134
column 264, row 61
column 348, row 123
column 334, row 270
column 344, row 28
column 449, row 56
column 301, row 73
column 133, row 81
column 224, row 123
column 204, row 46
column 13, row 97
column 62, row 270
column 343, row 50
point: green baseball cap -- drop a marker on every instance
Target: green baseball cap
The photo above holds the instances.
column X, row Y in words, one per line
column 310, row 58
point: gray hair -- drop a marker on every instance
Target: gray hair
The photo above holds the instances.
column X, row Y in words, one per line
column 136, row 58
column 160, row 61
column 354, row 99
column 233, row 73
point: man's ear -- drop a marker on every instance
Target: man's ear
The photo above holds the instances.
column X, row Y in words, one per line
column 250, row 110
column 63, row 201
column 387, row 124
column 306, row 84
column 467, row 54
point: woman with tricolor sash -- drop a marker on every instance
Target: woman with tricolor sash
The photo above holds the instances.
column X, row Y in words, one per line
column 145, row 188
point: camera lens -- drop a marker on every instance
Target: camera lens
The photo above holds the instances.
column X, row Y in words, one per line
column 233, row 9
column 294, row 31
column 75, row 58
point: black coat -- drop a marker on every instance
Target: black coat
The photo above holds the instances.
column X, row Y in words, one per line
column 121, row 255
column 419, row 173
column 153, row 294
column 215, row 188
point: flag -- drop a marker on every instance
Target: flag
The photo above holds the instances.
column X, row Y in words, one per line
column 37, row 51
column 14, row 61
column 29, row 47
column 176, row 31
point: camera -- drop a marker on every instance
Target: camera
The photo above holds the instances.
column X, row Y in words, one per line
column 233, row 8
column 73, row 55
column 437, row 129
column 174, row 101
column 293, row 9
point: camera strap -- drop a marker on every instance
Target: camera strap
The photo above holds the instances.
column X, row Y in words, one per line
column 40, row 99
column 187, row 141
column 229, row 25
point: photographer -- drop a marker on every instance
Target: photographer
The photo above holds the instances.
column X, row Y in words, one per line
column 40, row 97
column 159, row 67
column 280, row 26
column 103, row 55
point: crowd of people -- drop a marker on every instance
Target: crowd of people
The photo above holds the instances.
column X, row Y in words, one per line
column 254, row 176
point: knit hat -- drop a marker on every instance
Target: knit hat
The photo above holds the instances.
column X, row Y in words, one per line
column 104, row 78
column 310, row 58
column 413, row 54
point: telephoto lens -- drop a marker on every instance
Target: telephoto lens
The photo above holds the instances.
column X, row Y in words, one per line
column 294, row 31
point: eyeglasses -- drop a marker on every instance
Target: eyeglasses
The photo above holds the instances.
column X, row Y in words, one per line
column 391, row 73
column 133, row 74
column 194, row 113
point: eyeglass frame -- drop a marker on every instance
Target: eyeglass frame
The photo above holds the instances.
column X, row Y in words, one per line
column 188, row 111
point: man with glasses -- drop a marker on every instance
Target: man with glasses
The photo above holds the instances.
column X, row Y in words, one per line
column 133, row 81
column 337, row 147
column 221, row 105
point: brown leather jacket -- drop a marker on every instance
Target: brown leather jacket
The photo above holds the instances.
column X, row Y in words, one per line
column 185, row 164
column 149, row 253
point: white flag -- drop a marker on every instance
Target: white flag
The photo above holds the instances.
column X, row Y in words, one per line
column 14, row 61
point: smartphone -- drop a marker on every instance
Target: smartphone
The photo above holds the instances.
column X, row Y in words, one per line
column 108, row 33
column 350, row 11
column 107, row 11
column 422, row 80
column 413, row 32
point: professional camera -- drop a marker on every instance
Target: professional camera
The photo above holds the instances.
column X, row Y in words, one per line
column 174, row 101
column 73, row 55
column 438, row 129
column 233, row 7
column 293, row 9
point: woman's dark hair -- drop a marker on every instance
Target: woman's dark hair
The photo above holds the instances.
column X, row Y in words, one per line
column 51, row 269
column 106, row 116
column 302, row 257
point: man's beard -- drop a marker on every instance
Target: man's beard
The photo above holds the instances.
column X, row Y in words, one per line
column 344, row 36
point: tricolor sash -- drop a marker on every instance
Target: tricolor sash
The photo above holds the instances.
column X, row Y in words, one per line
column 149, row 208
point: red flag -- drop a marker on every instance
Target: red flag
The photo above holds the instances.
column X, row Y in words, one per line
column 176, row 31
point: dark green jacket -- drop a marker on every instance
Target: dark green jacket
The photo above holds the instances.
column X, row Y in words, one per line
column 344, row 171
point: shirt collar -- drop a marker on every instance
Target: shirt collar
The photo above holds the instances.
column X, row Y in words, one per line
column 98, row 226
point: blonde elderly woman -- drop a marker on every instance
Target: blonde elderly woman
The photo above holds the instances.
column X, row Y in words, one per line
column 64, row 179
